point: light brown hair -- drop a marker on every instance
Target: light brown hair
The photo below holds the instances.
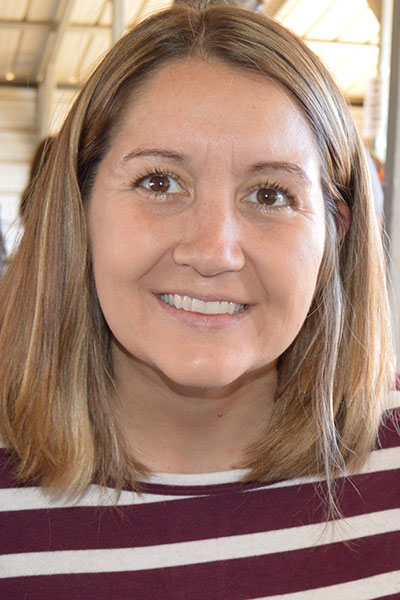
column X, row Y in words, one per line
column 56, row 376
column 37, row 164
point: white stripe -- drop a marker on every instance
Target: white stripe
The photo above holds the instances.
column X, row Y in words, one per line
column 381, row 460
column 393, row 400
column 196, row 479
column 369, row 588
column 35, row 498
column 387, row 459
column 185, row 553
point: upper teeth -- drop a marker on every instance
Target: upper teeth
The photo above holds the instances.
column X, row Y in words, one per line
column 199, row 306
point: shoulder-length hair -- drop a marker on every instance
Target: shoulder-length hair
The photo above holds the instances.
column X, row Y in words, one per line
column 56, row 377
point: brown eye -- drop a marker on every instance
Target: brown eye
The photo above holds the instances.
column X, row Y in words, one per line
column 158, row 183
column 268, row 196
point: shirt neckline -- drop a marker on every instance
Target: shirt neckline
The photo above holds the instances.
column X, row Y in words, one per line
column 196, row 479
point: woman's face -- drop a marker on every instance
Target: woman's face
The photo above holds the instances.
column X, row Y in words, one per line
column 207, row 224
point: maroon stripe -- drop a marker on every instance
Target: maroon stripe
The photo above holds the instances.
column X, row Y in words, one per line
column 389, row 432
column 153, row 524
column 326, row 565
column 7, row 470
column 224, row 580
column 190, row 519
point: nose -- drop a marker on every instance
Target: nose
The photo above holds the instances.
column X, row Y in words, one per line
column 210, row 241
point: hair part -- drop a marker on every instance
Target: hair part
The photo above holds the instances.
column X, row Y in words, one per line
column 57, row 379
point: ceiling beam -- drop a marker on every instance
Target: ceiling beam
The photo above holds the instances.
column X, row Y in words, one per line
column 52, row 48
column 49, row 26
column 376, row 7
column 339, row 42
column 120, row 19
column 47, row 68
column 27, row 25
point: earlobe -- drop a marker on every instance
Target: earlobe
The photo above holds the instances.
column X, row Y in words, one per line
column 343, row 219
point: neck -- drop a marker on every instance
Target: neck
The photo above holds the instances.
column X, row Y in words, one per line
column 178, row 429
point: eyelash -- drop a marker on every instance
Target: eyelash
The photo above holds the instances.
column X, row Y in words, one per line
column 267, row 184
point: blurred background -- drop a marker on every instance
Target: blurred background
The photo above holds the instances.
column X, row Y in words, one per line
column 48, row 48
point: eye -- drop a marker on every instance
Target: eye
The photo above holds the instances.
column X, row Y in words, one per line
column 268, row 195
column 160, row 183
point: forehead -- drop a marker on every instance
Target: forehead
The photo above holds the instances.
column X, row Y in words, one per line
column 210, row 104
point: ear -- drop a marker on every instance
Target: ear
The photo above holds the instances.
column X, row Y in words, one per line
column 343, row 219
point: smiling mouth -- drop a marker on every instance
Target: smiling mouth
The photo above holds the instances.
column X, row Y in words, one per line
column 215, row 307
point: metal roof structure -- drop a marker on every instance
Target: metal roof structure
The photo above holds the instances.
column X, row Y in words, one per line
column 67, row 37
column 344, row 34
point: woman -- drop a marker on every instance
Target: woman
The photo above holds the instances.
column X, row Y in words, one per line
column 201, row 336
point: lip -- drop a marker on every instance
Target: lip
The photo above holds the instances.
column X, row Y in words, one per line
column 199, row 320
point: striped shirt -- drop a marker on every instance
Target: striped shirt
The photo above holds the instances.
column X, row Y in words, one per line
column 206, row 537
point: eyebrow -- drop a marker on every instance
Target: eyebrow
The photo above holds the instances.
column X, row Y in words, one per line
column 176, row 156
column 289, row 167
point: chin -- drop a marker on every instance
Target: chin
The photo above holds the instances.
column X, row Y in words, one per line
column 203, row 376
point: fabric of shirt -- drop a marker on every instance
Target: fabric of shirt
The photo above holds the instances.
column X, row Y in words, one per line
column 206, row 537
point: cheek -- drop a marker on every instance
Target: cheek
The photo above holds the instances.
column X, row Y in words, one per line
column 307, row 258
column 297, row 251
column 124, row 246
column 294, row 267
